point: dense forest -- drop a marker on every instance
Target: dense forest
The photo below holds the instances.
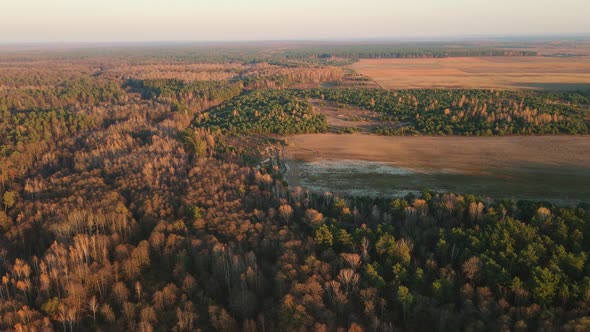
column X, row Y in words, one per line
column 264, row 112
column 122, row 208
column 469, row 112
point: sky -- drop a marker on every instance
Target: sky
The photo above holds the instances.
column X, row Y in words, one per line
column 23, row 21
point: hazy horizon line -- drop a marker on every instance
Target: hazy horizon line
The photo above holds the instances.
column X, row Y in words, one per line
column 393, row 39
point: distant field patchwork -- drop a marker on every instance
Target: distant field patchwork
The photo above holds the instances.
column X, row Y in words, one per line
column 551, row 73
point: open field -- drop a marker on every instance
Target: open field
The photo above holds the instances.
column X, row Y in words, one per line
column 542, row 167
column 552, row 73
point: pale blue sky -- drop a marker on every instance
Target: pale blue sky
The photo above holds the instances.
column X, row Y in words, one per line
column 210, row 20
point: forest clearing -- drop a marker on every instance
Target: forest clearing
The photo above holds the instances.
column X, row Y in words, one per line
column 345, row 117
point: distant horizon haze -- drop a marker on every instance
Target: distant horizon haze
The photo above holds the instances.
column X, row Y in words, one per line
column 309, row 41
column 128, row 21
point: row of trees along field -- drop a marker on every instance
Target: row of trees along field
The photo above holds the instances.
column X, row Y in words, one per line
column 351, row 53
column 468, row 112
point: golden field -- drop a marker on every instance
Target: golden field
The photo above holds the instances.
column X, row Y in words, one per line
column 567, row 73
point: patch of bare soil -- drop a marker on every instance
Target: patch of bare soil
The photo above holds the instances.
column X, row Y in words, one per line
column 343, row 116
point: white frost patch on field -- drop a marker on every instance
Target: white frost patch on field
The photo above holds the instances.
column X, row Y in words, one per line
column 355, row 166
column 358, row 177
